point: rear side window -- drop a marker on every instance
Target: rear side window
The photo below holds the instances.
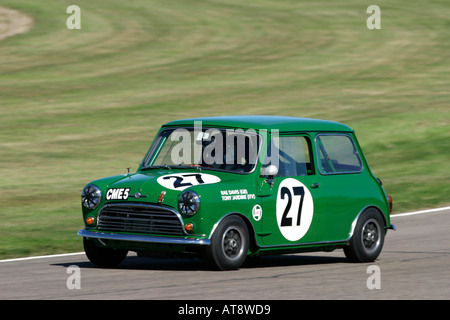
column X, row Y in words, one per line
column 337, row 154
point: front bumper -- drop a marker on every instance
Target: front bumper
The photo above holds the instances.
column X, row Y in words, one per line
column 143, row 238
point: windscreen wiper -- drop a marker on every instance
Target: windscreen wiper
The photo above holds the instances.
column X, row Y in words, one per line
column 165, row 166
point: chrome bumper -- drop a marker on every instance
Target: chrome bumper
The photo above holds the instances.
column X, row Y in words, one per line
column 142, row 238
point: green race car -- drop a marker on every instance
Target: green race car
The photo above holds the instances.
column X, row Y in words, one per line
column 225, row 188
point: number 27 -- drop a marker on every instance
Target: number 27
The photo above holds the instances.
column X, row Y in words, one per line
column 298, row 191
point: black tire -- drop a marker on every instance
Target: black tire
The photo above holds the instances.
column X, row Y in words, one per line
column 229, row 244
column 103, row 257
column 368, row 237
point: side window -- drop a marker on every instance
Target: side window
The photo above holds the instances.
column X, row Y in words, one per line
column 338, row 154
column 292, row 156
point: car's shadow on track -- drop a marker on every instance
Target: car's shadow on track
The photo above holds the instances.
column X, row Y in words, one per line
column 195, row 264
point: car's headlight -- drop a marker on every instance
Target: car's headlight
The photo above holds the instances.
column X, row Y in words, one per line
column 91, row 196
column 189, row 203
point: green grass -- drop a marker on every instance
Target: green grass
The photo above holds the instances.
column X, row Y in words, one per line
column 76, row 105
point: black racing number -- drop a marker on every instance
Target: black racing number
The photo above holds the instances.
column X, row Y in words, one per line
column 285, row 221
column 197, row 176
column 178, row 183
column 298, row 191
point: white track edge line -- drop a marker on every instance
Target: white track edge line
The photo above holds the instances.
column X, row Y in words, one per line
column 79, row 253
column 43, row 257
column 419, row 212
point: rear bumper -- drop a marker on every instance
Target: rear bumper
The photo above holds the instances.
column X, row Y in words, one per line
column 142, row 238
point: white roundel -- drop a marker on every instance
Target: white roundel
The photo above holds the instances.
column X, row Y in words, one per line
column 257, row 212
column 295, row 207
column 181, row 181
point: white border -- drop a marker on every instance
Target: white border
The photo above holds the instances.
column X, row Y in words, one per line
column 80, row 253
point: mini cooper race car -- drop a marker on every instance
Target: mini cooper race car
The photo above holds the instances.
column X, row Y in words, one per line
column 225, row 188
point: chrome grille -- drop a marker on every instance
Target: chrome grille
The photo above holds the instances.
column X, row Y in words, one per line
column 140, row 218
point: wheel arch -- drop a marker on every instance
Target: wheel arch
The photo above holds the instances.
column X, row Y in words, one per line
column 253, row 244
column 355, row 221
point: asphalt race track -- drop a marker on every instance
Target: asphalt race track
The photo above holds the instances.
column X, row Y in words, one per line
column 414, row 264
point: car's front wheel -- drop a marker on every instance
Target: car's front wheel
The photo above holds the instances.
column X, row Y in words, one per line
column 103, row 257
column 368, row 237
column 229, row 244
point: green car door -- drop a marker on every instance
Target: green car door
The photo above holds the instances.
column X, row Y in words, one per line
column 290, row 198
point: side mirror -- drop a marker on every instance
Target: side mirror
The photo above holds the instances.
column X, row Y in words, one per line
column 269, row 171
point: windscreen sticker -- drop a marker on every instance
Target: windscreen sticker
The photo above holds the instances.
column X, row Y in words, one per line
column 185, row 180
column 294, row 208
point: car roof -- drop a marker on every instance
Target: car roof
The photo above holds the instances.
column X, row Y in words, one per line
column 268, row 122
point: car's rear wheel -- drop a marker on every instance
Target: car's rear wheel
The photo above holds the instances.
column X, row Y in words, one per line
column 368, row 237
column 229, row 244
column 103, row 257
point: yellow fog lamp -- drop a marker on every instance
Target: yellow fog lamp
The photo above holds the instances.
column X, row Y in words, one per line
column 189, row 226
column 90, row 221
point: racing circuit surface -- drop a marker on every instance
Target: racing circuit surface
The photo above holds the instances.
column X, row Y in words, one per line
column 413, row 265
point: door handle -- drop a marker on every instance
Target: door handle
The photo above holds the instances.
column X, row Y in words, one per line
column 315, row 185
